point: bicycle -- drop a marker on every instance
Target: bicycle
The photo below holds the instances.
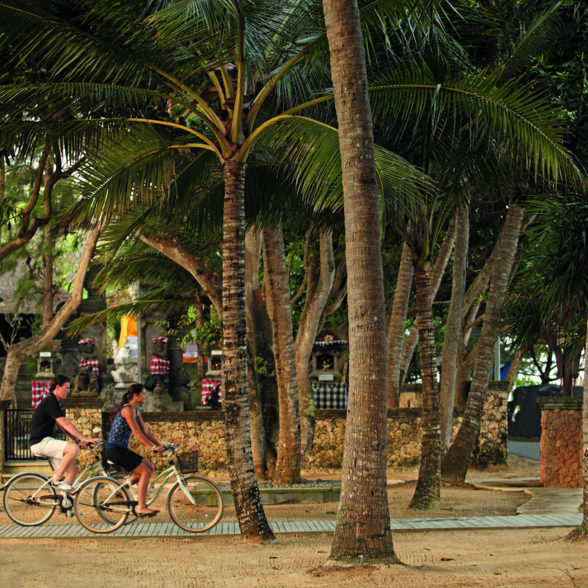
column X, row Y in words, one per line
column 29, row 500
column 194, row 503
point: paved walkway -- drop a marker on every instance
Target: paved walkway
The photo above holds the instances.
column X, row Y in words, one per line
column 548, row 507
column 75, row 530
column 528, row 449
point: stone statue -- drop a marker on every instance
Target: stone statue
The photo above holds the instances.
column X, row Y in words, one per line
column 84, row 383
column 126, row 371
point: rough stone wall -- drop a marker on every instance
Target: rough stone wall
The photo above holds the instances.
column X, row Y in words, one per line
column 205, row 431
column 86, row 415
column 561, row 442
column 404, row 437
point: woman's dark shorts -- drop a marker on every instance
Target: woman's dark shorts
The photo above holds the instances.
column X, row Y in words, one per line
column 125, row 458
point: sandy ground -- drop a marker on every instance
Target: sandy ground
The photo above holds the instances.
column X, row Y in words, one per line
column 489, row 559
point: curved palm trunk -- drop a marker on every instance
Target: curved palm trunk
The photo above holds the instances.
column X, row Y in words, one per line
column 398, row 325
column 18, row 352
column 515, row 366
column 362, row 534
column 585, row 442
column 287, row 470
column 453, row 328
column 436, row 277
column 457, row 459
column 48, row 295
column 256, row 340
column 317, row 298
column 427, row 494
column 250, row 514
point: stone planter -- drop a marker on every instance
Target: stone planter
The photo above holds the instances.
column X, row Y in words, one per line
column 293, row 495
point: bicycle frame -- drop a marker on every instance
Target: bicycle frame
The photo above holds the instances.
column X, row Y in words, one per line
column 96, row 469
column 153, row 486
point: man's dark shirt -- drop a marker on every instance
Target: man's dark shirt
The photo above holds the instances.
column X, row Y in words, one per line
column 43, row 421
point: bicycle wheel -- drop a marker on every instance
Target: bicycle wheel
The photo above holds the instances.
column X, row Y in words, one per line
column 29, row 500
column 199, row 517
column 102, row 505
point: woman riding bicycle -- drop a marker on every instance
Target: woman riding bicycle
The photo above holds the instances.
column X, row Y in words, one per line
column 126, row 420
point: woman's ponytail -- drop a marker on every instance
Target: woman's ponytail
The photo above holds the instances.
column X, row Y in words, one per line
column 132, row 390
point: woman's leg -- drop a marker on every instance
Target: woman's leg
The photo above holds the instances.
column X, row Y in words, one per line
column 144, row 471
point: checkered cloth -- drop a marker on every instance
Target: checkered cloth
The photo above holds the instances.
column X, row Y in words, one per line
column 91, row 364
column 40, row 390
column 84, row 341
column 159, row 366
column 207, row 387
column 160, row 339
column 329, row 395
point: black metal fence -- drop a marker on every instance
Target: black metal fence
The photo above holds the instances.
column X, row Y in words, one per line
column 17, row 432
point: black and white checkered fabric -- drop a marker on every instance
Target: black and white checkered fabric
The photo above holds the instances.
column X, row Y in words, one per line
column 329, row 395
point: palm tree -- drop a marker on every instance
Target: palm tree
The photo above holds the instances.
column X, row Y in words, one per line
column 554, row 285
column 363, row 533
column 233, row 75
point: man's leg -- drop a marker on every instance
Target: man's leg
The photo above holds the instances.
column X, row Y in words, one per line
column 67, row 467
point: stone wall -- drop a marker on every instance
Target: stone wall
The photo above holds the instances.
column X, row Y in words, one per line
column 201, row 430
column 561, row 441
column 205, row 431
column 404, row 437
column 86, row 415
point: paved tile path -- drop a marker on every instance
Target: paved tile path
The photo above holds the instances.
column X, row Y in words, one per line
column 170, row 530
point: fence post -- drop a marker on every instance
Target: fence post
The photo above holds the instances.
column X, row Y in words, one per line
column 4, row 404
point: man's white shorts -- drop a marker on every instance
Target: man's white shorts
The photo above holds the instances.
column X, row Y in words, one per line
column 51, row 448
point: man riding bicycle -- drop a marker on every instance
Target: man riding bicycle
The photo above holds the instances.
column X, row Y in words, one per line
column 61, row 454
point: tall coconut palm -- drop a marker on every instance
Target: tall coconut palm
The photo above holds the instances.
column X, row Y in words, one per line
column 221, row 82
column 554, row 285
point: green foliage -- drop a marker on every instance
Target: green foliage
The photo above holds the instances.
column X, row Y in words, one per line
column 264, row 367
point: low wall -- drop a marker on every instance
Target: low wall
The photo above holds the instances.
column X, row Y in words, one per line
column 561, row 441
column 404, row 437
column 86, row 416
column 205, row 431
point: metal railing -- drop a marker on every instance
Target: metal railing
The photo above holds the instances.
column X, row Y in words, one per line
column 17, row 432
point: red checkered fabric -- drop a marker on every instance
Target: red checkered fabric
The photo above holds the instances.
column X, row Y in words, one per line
column 159, row 366
column 91, row 364
column 40, row 390
column 207, row 388
column 84, row 341
column 160, row 339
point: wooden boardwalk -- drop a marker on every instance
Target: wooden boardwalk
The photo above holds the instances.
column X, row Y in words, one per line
column 168, row 529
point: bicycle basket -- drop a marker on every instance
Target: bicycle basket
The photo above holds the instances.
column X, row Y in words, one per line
column 188, row 462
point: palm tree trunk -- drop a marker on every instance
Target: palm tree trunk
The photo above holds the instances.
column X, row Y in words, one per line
column 453, row 327
column 397, row 325
column 18, row 352
column 250, row 514
column 2, row 189
column 436, row 277
column 585, row 441
column 456, row 461
column 256, row 340
column 427, row 494
column 362, row 534
column 317, row 297
column 47, row 276
column 287, row 470
column 514, row 368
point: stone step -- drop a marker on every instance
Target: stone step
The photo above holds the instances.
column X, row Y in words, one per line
column 12, row 467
